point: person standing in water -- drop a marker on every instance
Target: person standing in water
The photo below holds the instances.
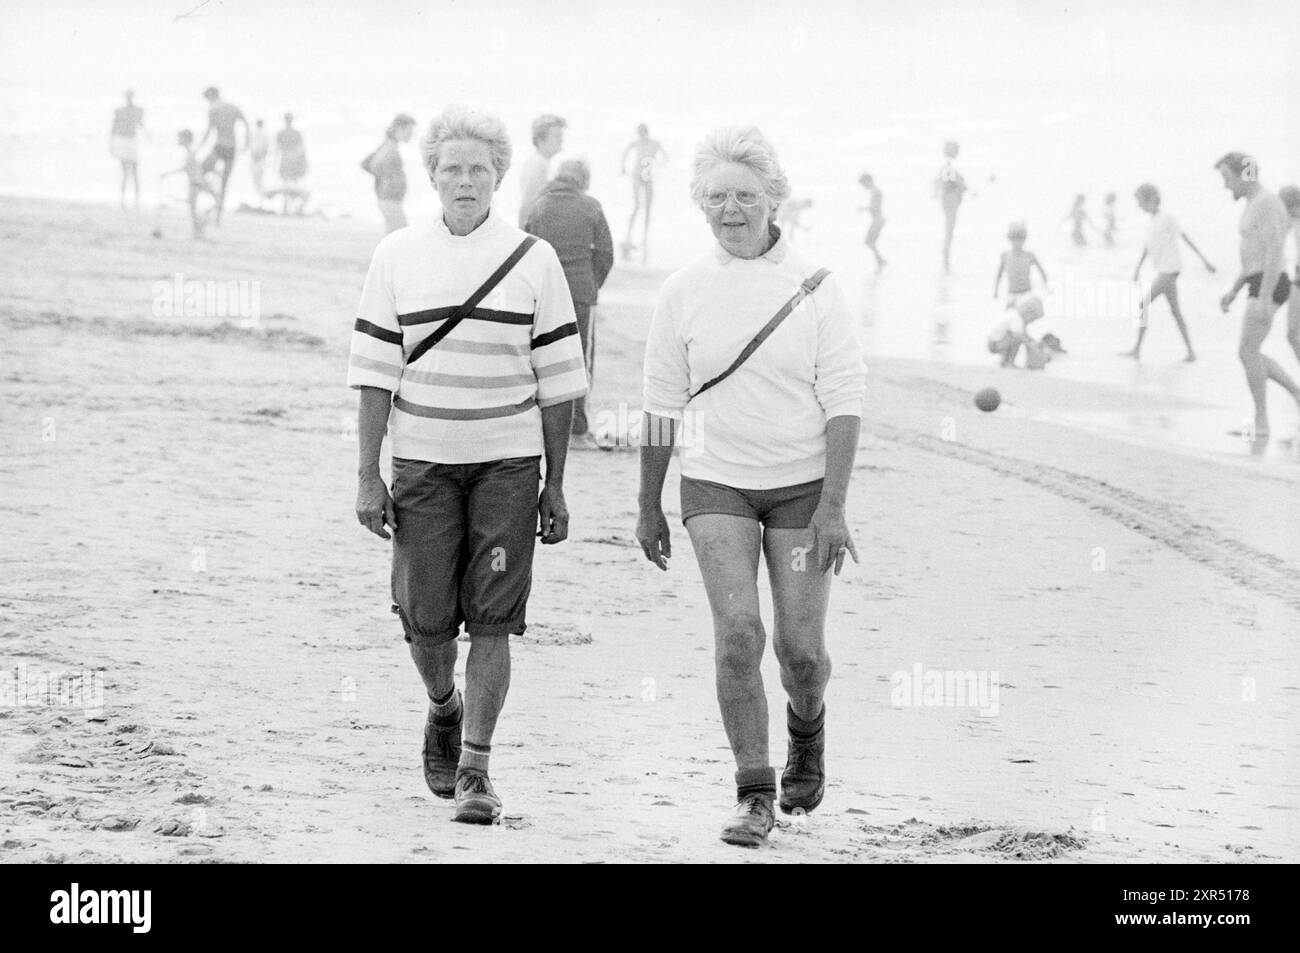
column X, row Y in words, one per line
column 949, row 188
column 1162, row 247
column 1263, row 229
column 645, row 152
column 1079, row 215
column 1109, row 213
column 875, row 199
column 222, row 117
column 128, row 121
column 293, row 165
column 259, row 144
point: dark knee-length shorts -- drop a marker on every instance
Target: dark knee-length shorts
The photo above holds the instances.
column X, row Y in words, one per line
column 463, row 548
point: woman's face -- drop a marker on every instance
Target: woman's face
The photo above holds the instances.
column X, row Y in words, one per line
column 741, row 231
column 465, row 179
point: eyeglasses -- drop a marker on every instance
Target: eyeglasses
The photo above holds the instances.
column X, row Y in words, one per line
column 744, row 198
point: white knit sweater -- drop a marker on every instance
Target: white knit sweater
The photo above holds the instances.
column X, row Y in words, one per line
column 765, row 425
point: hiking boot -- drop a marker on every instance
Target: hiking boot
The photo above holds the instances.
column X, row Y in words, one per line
column 803, row 782
column 441, row 751
column 751, row 823
column 476, row 801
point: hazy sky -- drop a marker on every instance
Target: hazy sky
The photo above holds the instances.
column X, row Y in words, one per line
column 726, row 44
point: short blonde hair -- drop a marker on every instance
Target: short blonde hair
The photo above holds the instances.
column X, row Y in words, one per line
column 463, row 122
column 744, row 145
column 576, row 171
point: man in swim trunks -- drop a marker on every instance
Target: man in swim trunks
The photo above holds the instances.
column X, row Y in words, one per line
column 222, row 117
column 1263, row 230
column 127, row 121
column 646, row 152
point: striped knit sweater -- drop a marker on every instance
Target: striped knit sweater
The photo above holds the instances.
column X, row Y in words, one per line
column 476, row 395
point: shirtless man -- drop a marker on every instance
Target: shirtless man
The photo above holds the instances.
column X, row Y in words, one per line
column 647, row 152
column 874, row 206
column 222, row 117
column 1263, row 233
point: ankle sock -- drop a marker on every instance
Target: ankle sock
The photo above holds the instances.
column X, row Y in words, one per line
column 804, row 730
column 447, row 708
column 761, row 781
column 474, row 757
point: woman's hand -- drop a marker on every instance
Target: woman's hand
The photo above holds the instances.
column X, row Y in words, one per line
column 375, row 506
column 652, row 534
column 830, row 538
column 553, row 514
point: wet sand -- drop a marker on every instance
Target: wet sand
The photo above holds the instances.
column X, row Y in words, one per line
column 177, row 518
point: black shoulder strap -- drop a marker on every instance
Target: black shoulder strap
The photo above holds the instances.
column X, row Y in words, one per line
column 466, row 309
column 805, row 289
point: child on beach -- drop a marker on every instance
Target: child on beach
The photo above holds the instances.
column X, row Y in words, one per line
column 877, row 216
column 198, row 183
column 1079, row 215
column 1109, row 213
column 1162, row 246
column 1023, row 307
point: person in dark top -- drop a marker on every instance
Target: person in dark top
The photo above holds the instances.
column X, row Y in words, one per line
column 385, row 164
column 128, row 120
column 575, row 226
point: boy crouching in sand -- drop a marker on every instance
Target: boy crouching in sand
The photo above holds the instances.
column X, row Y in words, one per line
column 1010, row 331
column 198, row 183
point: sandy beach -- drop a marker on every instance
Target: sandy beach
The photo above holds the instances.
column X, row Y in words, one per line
column 178, row 527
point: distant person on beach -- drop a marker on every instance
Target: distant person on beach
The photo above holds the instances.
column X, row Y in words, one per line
column 222, row 118
column 1023, row 307
column 1290, row 196
column 949, row 188
column 1078, row 214
column 1162, row 247
column 293, row 166
column 123, row 144
column 196, row 180
column 470, row 409
column 645, row 153
column 574, row 224
column 765, row 461
column 1108, row 213
column 790, row 217
column 1263, row 228
column 548, row 139
column 875, row 200
column 259, row 144
column 385, row 164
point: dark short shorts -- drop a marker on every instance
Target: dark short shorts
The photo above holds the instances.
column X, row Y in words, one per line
column 1281, row 291
column 225, row 153
column 463, row 547
column 786, row 507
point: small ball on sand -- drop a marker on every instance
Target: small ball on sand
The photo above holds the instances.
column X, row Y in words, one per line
column 988, row 399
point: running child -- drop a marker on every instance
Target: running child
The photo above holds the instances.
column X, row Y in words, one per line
column 198, row 183
column 1079, row 215
column 1162, row 247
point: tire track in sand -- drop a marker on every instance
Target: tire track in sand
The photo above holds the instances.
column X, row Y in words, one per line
column 1251, row 568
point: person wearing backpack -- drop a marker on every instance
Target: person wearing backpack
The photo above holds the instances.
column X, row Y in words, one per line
column 385, row 164
column 768, row 431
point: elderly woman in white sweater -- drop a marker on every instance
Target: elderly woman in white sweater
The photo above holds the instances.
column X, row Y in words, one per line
column 767, row 454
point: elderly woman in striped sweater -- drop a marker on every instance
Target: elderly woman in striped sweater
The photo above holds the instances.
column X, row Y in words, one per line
column 767, row 464
column 467, row 357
